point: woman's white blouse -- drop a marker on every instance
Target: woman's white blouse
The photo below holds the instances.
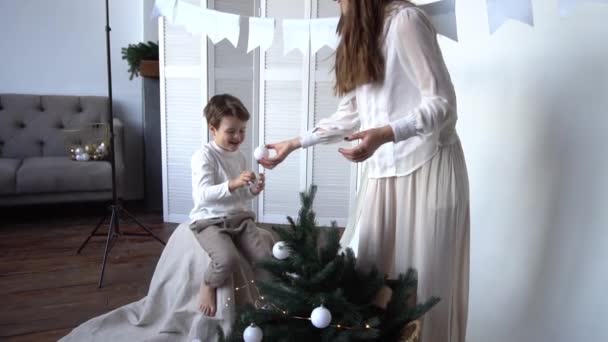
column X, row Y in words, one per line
column 416, row 99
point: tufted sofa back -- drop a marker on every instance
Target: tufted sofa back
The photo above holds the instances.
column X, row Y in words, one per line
column 32, row 125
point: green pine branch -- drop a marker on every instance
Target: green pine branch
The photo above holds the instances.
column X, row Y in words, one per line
column 135, row 53
column 315, row 274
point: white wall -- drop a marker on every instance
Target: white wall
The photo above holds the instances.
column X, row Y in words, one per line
column 533, row 105
column 150, row 25
column 58, row 47
column 533, row 110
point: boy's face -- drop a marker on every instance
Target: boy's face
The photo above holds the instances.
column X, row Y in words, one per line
column 230, row 134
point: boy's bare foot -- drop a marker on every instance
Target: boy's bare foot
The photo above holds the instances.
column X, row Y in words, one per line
column 207, row 300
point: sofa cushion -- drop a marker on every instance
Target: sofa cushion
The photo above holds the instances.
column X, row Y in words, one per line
column 61, row 174
column 33, row 125
column 8, row 171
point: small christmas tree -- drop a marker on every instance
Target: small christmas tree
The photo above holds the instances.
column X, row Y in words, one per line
column 318, row 294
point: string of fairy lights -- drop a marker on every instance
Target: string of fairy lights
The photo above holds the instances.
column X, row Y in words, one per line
column 260, row 299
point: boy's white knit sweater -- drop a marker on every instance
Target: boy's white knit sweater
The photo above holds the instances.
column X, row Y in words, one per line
column 212, row 169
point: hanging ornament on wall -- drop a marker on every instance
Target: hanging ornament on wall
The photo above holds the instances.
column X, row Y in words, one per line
column 253, row 333
column 320, row 317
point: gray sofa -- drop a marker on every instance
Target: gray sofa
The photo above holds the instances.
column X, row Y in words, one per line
column 35, row 166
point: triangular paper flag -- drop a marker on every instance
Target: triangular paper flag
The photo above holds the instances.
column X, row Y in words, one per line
column 443, row 17
column 323, row 32
column 190, row 17
column 566, row 6
column 226, row 25
column 500, row 11
column 296, row 35
column 261, row 33
column 164, row 8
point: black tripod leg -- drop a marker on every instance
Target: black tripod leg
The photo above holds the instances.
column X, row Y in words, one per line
column 143, row 226
column 116, row 213
column 92, row 233
column 114, row 239
column 108, row 242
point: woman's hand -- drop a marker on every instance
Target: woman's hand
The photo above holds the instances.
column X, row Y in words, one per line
column 371, row 139
column 283, row 149
column 259, row 185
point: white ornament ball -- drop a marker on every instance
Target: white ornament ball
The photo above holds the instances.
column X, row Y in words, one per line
column 79, row 150
column 280, row 250
column 85, row 156
column 320, row 317
column 293, row 275
column 253, row 333
column 79, row 157
column 260, row 152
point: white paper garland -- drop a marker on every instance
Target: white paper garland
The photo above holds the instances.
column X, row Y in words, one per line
column 298, row 34
column 302, row 34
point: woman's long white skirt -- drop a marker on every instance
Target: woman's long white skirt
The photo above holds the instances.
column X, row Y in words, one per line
column 422, row 221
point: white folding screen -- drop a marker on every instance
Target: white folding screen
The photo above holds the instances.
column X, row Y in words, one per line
column 297, row 91
column 234, row 71
column 286, row 95
column 183, row 79
column 283, row 112
column 334, row 176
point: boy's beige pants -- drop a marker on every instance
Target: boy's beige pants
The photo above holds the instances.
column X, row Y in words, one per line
column 223, row 238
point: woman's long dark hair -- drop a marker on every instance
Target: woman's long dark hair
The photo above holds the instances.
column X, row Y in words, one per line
column 359, row 58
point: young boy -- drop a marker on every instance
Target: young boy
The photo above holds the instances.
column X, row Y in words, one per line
column 222, row 188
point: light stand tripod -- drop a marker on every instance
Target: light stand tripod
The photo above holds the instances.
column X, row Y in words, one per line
column 115, row 208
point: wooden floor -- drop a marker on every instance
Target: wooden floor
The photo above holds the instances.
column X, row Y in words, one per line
column 46, row 289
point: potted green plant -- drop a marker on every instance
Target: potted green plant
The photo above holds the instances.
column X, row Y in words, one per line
column 142, row 59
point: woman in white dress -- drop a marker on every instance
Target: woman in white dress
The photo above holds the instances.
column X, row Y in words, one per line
column 399, row 102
